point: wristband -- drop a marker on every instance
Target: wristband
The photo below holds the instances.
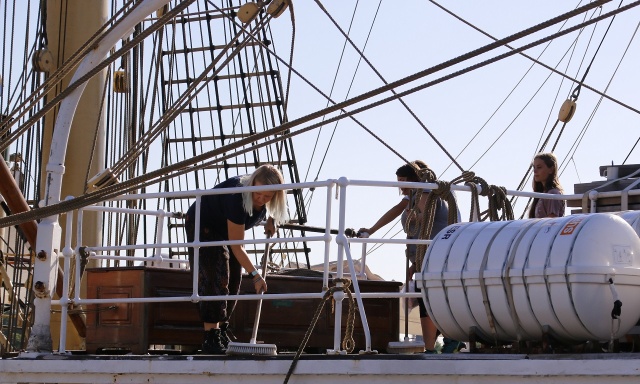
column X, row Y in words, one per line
column 254, row 273
column 257, row 278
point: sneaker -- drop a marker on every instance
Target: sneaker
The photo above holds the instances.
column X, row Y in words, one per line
column 430, row 352
column 450, row 345
column 224, row 334
column 212, row 344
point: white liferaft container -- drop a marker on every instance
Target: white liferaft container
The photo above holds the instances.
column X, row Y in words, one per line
column 515, row 280
column 631, row 217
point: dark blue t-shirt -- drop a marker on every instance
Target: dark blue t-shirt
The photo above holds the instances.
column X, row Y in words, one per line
column 217, row 209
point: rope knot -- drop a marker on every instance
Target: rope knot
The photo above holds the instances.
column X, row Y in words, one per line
column 498, row 201
column 484, row 186
column 426, row 175
column 499, row 192
column 345, row 281
column 444, row 188
column 468, row 176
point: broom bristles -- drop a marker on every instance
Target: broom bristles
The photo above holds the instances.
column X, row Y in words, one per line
column 251, row 349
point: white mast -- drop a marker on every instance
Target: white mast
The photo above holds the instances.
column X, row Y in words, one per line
column 48, row 243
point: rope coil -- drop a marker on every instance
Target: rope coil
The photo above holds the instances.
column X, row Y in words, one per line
column 426, row 221
column 500, row 207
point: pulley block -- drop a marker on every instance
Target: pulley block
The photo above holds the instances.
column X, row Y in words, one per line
column 120, row 82
column 161, row 11
column 567, row 110
column 42, row 60
column 248, row 12
column 277, row 7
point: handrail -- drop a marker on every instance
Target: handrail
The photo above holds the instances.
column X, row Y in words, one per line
column 342, row 241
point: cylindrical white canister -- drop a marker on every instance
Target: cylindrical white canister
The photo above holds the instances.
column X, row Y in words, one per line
column 516, row 280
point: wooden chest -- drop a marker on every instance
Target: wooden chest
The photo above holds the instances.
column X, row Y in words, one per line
column 135, row 327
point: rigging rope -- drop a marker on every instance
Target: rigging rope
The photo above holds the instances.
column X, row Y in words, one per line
column 288, row 86
column 536, row 61
column 52, row 81
column 576, row 91
column 571, row 101
column 393, row 91
column 348, row 344
column 519, row 51
column 12, row 23
column 426, row 221
column 497, row 202
column 574, row 147
column 505, row 99
column 190, row 94
column 179, row 168
column 347, row 39
column 564, row 119
column 333, row 84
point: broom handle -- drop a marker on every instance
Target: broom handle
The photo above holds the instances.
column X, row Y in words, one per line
column 254, row 333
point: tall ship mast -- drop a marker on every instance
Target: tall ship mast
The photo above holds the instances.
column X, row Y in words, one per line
column 203, row 82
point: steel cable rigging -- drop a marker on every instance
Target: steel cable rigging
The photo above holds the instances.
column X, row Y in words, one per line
column 113, row 191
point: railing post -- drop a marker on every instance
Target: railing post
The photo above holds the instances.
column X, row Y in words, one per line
column 78, row 259
column 593, row 196
column 157, row 252
column 44, row 277
column 67, row 257
column 196, row 251
column 327, row 239
column 356, row 288
column 339, row 296
column 363, row 261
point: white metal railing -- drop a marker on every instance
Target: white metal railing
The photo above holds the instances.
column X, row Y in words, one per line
column 342, row 241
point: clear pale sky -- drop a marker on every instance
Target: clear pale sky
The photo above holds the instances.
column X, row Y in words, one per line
column 410, row 36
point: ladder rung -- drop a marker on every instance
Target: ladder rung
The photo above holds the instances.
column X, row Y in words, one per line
column 238, row 165
column 232, row 106
column 205, row 49
column 208, row 138
column 224, row 77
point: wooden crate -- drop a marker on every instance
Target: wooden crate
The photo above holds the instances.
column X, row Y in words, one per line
column 135, row 327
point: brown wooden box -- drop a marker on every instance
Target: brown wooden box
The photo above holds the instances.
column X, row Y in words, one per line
column 135, row 327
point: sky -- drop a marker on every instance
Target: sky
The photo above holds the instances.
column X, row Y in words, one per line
column 513, row 104
column 509, row 106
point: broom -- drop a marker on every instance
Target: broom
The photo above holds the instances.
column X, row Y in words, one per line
column 252, row 347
